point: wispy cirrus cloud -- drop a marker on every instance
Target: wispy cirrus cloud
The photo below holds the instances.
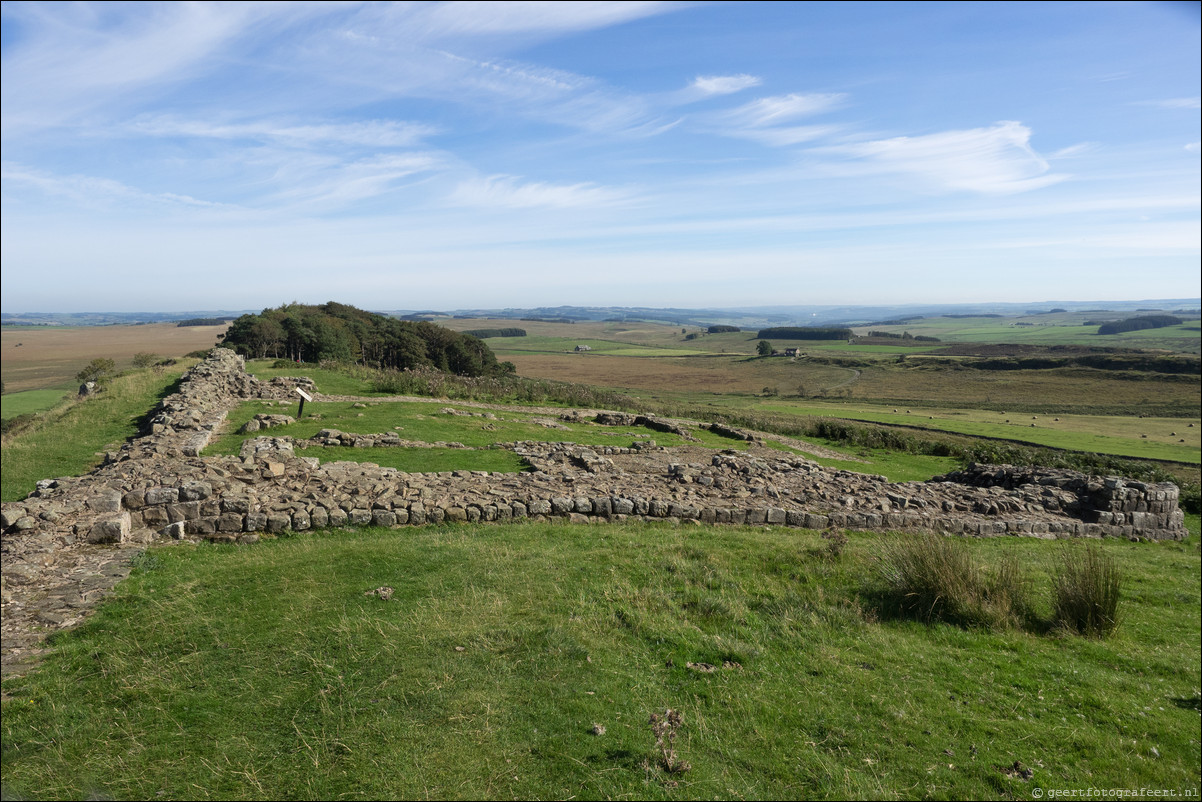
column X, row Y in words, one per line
column 767, row 120
column 1174, row 103
column 366, row 133
column 84, row 57
column 437, row 20
column 994, row 160
column 723, row 84
column 767, row 111
column 509, row 192
column 326, row 183
column 93, row 191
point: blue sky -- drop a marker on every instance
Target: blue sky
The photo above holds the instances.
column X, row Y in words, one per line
column 453, row 155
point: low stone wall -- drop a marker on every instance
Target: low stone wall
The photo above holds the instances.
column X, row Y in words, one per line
column 157, row 486
column 1110, row 501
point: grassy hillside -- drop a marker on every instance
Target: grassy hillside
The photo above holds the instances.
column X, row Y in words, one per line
column 526, row 661
column 71, row 439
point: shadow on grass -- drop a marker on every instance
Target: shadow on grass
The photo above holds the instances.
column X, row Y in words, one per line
column 894, row 606
column 143, row 421
column 1192, row 703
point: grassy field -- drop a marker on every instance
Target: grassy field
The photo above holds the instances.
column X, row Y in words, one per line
column 39, row 358
column 30, row 402
column 525, row 662
column 72, row 439
column 1056, row 329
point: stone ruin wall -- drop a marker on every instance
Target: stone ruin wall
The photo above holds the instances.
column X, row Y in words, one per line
column 157, row 486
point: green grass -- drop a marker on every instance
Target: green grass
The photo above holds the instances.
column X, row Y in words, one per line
column 268, row 672
column 30, row 402
column 424, row 460
column 1117, row 435
column 1052, row 330
column 330, row 382
column 426, row 423
column 898, row 467
column 72, row 439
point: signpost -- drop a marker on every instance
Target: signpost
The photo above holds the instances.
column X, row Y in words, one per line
column 304, row 397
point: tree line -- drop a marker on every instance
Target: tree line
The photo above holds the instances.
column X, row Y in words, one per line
column 342, row 333
column 804, row 333
column 484, row 334
column 1138, row 323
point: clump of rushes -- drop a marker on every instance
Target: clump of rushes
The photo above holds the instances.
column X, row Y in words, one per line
column 933, row 577
column 1086, row 590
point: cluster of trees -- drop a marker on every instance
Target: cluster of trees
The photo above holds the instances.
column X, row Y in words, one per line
column 722, row 329
column 804, row 333
column 905, row 335
column 1137, row 323
column 202, row 321
column 484, row 334
column 334, row 331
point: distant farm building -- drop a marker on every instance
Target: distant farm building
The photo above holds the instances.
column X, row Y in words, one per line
column 580, row 348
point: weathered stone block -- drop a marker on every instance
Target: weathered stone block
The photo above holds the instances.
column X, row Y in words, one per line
column 230, row 522
column 162, row 495
column 110, row 530
column 195, row 491
column 200, row 526
column 155, row 517
column 278, row 521
column 236, row 504
column 105, row 500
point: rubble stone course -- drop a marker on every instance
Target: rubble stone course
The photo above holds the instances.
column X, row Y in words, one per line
column 158, row 487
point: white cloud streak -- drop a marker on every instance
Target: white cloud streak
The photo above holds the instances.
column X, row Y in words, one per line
column 508, row 192
column 765, row 120
column 84, row 57
column 95, row 192
column 367, row 133
column 708, row 85
column 995, row 160
column 1175, row 103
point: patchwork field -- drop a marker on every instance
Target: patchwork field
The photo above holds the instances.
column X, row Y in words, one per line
column 45, row 357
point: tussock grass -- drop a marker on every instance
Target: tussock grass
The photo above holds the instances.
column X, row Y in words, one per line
column 1087, row 587
column 936, row 578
